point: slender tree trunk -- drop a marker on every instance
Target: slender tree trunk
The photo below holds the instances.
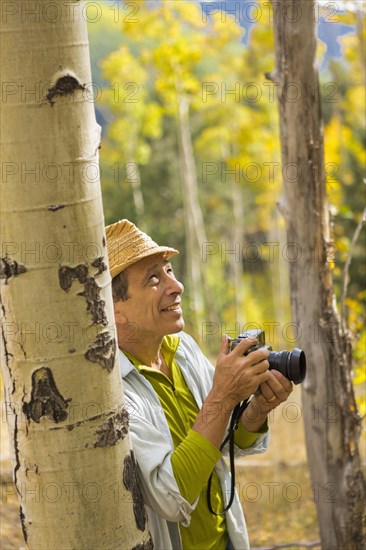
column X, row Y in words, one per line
column 73, row 466
column 194, row 224
column 237, row 262
column 237, row 232
column 192, row 253
column 133, row 177
column 332, row 424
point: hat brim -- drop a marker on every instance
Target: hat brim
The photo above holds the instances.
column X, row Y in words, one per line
column 153, row 251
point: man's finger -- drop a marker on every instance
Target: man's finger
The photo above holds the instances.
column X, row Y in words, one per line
column 257, row 356
column 281, row 379
column 224, row 350
column 261, row 366
column 244, row 345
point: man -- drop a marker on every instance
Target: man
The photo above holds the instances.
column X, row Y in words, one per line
column 182, row 405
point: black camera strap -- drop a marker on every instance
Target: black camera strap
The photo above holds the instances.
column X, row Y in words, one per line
column 234, row 423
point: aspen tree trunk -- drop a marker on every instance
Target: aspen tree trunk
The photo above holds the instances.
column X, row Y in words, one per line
column 74, row 469
column 237, row 234
column 133, row 177
column 332, row 424
column 192, row 218
column 236, row 259
column 194, row 224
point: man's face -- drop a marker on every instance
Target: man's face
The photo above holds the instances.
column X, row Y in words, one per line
column 153, row 307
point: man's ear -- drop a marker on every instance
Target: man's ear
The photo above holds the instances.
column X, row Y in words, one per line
column 119, row 315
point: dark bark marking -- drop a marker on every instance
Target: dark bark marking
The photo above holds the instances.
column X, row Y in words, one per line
column 7, row 355
column 146, row 545
column 67, row 275
column 16, row 452
column 132, row 483
column 32, row 468
column 10, row 268
column 113, row 431
column 103, row 241
column 95, row 305
column 45, row 400
column 355, row 493
column 65, row 85
column 91, row 292
column 70, row 427
column 22, row 521
column 54, row 207
column 271, row 76
column 99, row 264
column 102, row 351
column 23, row 350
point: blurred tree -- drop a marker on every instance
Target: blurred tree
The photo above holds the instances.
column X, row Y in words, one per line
column 188, row 65
column 135, row 116
column 233, row 124
column 237, row 152
column 345, row 162
column 170, row 59
column 74, row 470
column 332, row 423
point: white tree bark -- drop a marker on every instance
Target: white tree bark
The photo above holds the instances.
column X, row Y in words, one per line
column 202, row 300
column 73, row 466
column 332, row 424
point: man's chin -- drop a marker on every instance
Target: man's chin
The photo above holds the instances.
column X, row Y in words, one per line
column 179, row 326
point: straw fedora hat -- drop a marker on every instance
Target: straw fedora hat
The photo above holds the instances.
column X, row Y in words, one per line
column 126, row 245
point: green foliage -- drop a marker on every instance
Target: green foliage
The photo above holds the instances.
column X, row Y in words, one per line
column 345, row 163
column 171, row 52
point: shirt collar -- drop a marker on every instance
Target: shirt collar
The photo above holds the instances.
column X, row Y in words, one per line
column 125, row 364
column 128, row 362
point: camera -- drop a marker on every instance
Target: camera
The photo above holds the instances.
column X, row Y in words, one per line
column 291, row 364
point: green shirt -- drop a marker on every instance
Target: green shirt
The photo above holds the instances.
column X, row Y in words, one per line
column 194, row 457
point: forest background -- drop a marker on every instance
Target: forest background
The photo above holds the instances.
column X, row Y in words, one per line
column 186, row 111
column 145, row 56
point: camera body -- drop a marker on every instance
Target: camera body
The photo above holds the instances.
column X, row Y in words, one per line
column 290, row 364
column 259, row 334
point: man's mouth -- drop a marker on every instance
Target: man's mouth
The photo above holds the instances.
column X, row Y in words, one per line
column 173, row 307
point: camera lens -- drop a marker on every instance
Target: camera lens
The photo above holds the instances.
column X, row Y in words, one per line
column 291, row 364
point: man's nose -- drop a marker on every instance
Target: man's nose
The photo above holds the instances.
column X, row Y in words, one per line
column 181, row 287
column 175, row 287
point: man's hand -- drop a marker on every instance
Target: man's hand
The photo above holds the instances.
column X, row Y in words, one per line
column 269, row 395
column 238, row 376
column 274, row 391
